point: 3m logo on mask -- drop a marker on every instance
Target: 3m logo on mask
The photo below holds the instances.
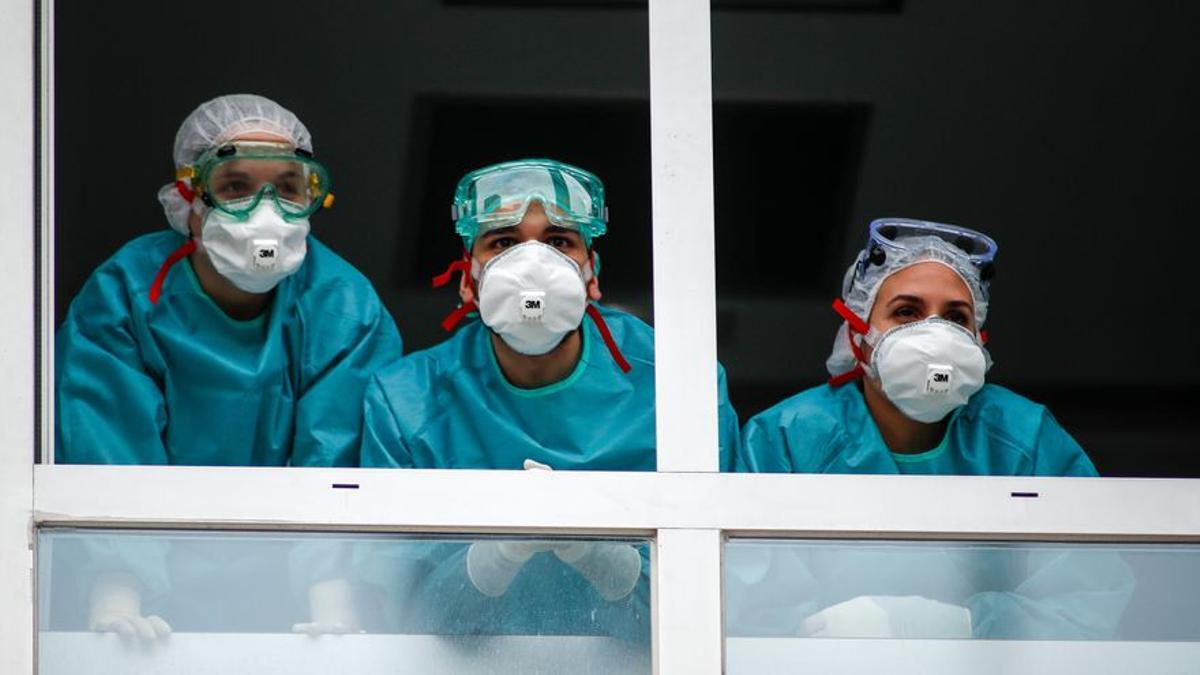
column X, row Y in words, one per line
column 264, row 253
column 938, row 379
column 533, row 305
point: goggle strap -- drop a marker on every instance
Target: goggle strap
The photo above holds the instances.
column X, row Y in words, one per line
column 177, row 255
column 608, row 338
column 454, row 318
column 185, row 191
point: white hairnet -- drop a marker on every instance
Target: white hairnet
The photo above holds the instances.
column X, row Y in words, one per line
column 217, row 122
column 859, row 291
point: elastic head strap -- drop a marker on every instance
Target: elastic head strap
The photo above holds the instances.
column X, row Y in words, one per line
column 855, row 325
column 176, row 255
column 454, row 318
column 462, row 266
column 608, row 338
column 185, row 191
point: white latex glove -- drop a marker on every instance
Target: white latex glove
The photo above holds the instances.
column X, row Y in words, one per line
column 533, row 464
column 331, row 609
column 889, row 616
column 492, row 565
column 612, row 569
column 115, row 606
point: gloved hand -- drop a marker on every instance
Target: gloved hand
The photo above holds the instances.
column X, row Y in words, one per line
column 889, row 616
column 492, row 564
column 612, row 569
column 331, row 609
column 115, row 606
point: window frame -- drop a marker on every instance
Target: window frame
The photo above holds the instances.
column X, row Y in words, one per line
column 686, row 506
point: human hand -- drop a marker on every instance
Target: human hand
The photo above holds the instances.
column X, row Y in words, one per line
column 115, row 606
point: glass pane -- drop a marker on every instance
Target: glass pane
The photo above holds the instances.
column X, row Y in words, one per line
column 1065, row 131
column 400, row 101
column 232, row 601
column 954, row 607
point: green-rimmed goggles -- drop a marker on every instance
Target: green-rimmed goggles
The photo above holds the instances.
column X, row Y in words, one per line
column 497, row 196
column 236, row 177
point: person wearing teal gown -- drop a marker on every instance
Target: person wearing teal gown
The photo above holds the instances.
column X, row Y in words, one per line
column 233, row 339
column 907, row 396
column 546, row 378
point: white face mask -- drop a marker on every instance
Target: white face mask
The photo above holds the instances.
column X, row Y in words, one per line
column 928, row 368
column 258, row 252
column 532, row 295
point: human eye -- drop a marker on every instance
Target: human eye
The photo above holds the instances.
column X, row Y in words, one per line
column 501, row 243
column 959, row 317
column 906, row 313
column 290, row 189
column 560, row 242
column 232, row 188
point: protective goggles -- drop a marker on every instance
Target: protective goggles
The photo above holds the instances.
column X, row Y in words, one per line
column 892, row 237
column 497, row 196
column 236, row 177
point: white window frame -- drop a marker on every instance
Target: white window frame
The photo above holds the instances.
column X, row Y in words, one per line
column 686, row 506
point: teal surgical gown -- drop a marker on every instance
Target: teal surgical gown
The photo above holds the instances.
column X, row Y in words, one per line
column 180, row 382
column 1044, row 593
column 829, row 430
column 451, row 407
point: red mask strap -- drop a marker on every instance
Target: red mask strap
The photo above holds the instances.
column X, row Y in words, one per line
column 856, row 325
column 983, row 337
column 850, row 376
column 454, row 318
column 462, row 265
column 179, row 254
column 608, row 338
column 185, row 191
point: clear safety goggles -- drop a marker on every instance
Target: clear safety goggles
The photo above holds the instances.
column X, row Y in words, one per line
column 498, row 196
column 890, row 238
column 236, row 177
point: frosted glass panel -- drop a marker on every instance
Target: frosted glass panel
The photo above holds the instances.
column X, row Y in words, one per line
column 107, row 598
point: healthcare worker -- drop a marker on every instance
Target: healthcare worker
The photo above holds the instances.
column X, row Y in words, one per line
column 546, row 378
column 908, row 395
column 233, row 338
column 907, row 392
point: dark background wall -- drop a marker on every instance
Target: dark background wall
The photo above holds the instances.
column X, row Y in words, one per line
column 1066, row 130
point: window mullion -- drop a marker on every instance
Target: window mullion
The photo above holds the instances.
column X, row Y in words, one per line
column 17, row 214
column 686, row 609
column 685, row 342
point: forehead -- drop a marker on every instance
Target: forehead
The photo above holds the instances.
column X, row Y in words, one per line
column 929, row 279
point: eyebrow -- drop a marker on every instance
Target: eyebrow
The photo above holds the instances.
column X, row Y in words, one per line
column 916, row 300
column 499, row 232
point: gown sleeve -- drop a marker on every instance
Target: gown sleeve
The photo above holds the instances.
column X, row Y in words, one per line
column 110, row 407
column 340, row 353
column 110, row 410
column 729, row 432
column 1064, row 595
